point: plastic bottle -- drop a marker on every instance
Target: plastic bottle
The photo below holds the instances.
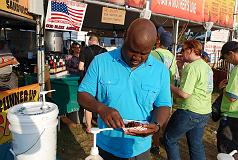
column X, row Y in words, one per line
column 94, row 153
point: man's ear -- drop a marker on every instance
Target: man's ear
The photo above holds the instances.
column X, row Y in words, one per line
column 231, row 52
column 157, row 43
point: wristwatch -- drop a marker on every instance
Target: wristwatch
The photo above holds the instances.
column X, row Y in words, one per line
column 157, row 124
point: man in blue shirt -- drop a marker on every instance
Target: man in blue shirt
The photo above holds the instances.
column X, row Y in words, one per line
column 128, row 83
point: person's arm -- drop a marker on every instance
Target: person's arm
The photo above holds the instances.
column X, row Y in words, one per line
column 223, row 84
column 82, row 59
column 161, row 114
column 231, row 97
column 81, row 66
column 178, row 93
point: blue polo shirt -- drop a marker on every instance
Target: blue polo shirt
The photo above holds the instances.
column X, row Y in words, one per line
column 131, row 92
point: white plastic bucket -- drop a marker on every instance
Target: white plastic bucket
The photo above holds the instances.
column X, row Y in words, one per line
column 34, row 130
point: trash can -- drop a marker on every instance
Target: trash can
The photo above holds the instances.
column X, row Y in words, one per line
column 65, row 96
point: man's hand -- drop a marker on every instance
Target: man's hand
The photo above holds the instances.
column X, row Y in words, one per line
column 143, row 131
column 111, row 117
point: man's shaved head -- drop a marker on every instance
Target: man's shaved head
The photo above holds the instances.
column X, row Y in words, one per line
column 140, row 38
column 141, row 34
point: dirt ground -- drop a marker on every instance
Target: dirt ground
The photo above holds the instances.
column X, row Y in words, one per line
column 75, row 144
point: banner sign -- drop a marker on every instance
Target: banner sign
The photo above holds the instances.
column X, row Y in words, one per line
column 136, row 3
column 17, row 7
column 220, row 12
column 187, row 9
column 113, row 16
column 11, row 98
column 65, row 15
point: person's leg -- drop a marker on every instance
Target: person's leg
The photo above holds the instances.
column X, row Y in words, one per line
column 108, row 156
column 195, row 136
column 143, row 156
column 155, row 149
column 5, row 153
column 81, row 115
column 227, row 135
column 177, row 126
column 157, row 140
column 88, row 118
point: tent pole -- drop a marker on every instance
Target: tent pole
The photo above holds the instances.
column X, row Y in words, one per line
column 175, row 36
column 205, row 40
column 40, row 54
column 38, row 49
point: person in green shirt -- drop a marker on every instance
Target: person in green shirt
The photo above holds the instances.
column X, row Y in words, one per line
column 194, row 104
column 227, row 133
column 164, row 40
column 161, row 53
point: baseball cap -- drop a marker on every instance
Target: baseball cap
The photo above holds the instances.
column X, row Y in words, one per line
column 166, row 39
column 160, row 30
column 227, row 47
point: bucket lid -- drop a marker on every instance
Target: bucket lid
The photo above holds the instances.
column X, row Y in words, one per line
column 33, row 110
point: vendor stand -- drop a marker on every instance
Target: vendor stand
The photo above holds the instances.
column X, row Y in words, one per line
column 17, row 29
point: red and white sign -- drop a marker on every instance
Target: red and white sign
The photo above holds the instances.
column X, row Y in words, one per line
column 214, row 50
column 65, row 15
column 187, row 9
column 218, row 11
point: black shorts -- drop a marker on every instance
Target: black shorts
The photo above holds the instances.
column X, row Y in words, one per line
column 227, row 135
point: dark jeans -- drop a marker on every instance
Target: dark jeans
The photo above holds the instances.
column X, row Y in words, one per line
column 108, row 156
column 5, row 154
column 227, row 135
column 185, row 122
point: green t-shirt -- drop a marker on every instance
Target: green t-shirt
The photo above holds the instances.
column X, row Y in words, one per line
column 167, row 58
column 197, row 80
column 227, row 107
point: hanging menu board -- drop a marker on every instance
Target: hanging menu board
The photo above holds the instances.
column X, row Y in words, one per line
column 219, row 11
column 19, row 7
